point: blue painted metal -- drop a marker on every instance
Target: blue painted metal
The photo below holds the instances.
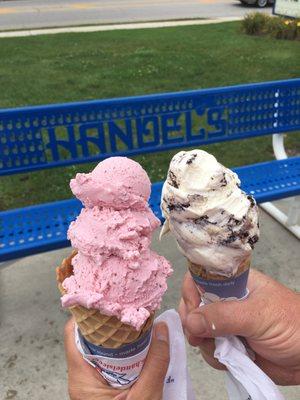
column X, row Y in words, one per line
column 39, row 228
column 34, row 138
column 36, row 229
column 272, row 180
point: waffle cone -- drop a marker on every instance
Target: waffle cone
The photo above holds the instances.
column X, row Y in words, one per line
column 201, row 271
column 95, row 327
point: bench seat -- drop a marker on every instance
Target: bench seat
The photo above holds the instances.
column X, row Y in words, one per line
column 43, row 227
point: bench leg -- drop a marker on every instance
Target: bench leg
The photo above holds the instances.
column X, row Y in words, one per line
column 294, row 211
column 289, row 221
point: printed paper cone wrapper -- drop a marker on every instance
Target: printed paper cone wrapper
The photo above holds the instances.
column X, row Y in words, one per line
column 214, row 287
column 116, row 349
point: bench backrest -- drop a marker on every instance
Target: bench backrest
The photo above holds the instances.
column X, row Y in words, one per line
column 41, row 137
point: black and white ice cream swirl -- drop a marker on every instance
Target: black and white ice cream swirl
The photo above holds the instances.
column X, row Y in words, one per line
column 214, row 222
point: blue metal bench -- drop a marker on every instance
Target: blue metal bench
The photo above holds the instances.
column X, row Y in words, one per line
column 36, row 138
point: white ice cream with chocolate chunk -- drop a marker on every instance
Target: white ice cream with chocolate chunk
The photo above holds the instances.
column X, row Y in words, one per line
column 214, row 222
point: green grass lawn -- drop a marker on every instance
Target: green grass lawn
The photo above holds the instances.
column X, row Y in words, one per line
column 82, row 66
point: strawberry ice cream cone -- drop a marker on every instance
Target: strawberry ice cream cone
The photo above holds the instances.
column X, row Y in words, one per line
column 95, row 327
column 113, row 283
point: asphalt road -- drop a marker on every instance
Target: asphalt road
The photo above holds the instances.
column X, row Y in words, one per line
column 23, row 14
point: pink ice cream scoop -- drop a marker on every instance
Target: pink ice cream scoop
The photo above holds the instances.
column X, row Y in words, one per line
column 129, row 290
column 115, row 271
column 106, row 232
column 116, row 182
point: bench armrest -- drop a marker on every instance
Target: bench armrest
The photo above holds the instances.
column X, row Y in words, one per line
column 278, row 146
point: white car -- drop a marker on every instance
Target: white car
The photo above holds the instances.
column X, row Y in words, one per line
column 259, row 3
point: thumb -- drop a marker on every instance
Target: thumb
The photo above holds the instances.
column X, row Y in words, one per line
column 221, row 319
column 151, row 381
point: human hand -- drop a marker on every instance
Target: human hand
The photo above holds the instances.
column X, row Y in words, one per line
column 85, row 383
column 269, row 320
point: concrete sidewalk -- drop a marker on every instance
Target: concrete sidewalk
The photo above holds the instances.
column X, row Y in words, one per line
column 32, row 362
column 115, row 27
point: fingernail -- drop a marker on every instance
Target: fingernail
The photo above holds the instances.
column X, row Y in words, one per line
column 161, row 332
column 196, row 324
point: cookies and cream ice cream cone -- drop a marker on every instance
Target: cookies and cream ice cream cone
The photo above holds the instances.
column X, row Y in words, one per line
column 201, row 272
column 213, row 287
column 214, row 222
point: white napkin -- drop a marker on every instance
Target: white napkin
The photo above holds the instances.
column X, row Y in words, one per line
column 178, row 384
column 244, row 379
